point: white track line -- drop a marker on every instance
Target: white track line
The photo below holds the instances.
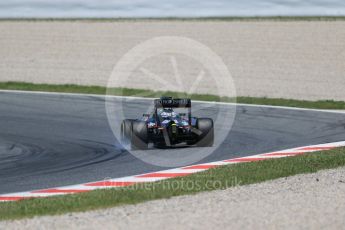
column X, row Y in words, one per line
column 150, row 99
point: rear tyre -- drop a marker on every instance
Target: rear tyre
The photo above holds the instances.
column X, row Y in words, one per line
column 139, row 137
column 205, row 137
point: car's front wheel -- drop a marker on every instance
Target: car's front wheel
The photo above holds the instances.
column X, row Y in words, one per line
column 205, row 132
column 126, row 131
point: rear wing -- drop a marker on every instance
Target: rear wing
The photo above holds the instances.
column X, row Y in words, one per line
column 173, row 103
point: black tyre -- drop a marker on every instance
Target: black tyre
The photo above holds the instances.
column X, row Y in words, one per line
column 126, row 131
column 159, row 145
column 139, row 137
column 205, row 136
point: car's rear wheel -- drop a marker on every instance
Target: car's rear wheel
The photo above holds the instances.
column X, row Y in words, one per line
column 139, row 137
column 205, row 134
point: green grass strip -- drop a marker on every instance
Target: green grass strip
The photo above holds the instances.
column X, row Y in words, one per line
column 218, row 178
column 322, row 104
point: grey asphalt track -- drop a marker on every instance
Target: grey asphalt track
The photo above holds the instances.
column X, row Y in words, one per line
column 57, row 140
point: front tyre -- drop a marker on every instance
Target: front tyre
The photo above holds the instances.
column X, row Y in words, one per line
column 205, row 136
column 126, row 131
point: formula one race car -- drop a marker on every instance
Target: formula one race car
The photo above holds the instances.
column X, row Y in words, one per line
column 167, row 125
